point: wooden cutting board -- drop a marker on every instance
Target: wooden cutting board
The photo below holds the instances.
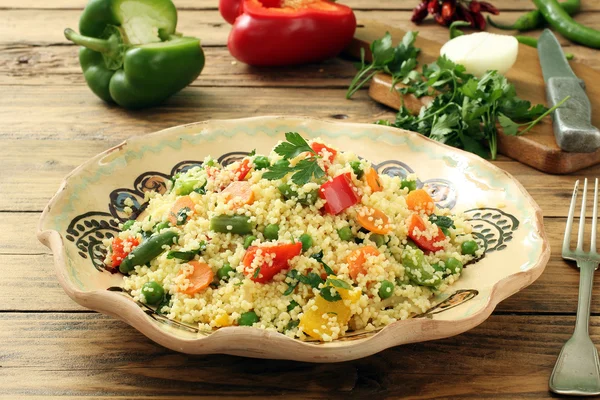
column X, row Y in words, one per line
column 536, row 148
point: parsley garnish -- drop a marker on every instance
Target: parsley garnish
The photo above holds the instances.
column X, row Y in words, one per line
column 319, row 257
column 445, row 223
column 327, row 295
column 256, row 272
column 304, row 170
column 397, row 61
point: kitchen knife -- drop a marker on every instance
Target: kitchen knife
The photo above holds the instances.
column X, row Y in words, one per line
column 573, row 129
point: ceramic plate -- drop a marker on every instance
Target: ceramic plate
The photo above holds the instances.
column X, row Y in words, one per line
column 91, row 201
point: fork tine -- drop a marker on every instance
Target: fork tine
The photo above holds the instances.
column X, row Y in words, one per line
column 594, row 217
column 582, row 217
column 567, row 239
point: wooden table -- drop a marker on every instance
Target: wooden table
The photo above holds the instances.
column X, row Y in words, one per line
column 51, row 122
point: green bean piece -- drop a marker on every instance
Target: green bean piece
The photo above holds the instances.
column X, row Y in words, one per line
column 411, row 244
column 248, row 319
column 261, row 162
column 238, row 224
column 378, row 239
column 386, row 289
column 153, row 292
column 148, row 251
column 183, row 187
column 345, row 233
column 223, row 272
column 161, row 225
column 306, row 241
column 288, row 193
column 410, row 185
column 469, row 247
column 271, row 232
column 418, row 269
column 357, row 169
column 128, row 224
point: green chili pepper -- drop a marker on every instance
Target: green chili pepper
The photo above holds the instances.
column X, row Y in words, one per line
column 534, row 19
column 454, row 31
column 532, row 42
column 238, row 224
column 560, row 20
column 131, row 53
column 147, row 251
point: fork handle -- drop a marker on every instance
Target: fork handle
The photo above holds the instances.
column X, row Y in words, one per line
column 586, row 281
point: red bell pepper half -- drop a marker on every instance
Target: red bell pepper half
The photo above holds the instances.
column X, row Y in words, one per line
column 283, row 254
column 339, row 194
column 287, row 32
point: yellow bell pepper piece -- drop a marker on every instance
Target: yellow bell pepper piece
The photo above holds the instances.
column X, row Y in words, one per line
column 318, row 323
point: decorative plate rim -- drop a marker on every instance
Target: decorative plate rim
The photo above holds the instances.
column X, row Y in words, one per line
column 220, row 341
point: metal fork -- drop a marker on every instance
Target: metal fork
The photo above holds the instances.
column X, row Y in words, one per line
column 577, row 370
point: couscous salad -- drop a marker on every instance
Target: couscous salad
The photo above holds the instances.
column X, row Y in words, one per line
column 309, row 241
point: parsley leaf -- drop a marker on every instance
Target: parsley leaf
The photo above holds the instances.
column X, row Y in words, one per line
column 326, row 293
column 304, row 170
column 294, row 146
column 278, row 170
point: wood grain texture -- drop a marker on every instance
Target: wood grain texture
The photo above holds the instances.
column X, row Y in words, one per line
column 538, row 148
column 92, row 355
column 32, row 27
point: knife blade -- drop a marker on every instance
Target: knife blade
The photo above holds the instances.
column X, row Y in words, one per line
column 573, row 128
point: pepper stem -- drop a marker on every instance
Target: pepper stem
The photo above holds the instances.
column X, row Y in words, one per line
column 99, row 45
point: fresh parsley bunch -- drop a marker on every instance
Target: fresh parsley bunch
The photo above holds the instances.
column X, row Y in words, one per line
column 397, row 61
column 466, row 110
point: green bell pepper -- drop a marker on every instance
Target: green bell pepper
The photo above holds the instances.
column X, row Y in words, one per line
column 131, row 54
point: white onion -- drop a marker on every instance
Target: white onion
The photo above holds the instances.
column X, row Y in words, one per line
column 481, row 52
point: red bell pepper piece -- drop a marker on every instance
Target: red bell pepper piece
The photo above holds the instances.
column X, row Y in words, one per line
column 118, row 249
column 423, row 242
column 283, row 254
column 319, row 147
column 277, row 32
column 339, row 194
column 243, row 169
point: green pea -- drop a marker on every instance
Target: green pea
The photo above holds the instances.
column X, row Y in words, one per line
column 293, row 304
column 248, row 241
column 161, row 225
column 357, row 169
column 418, row 269
column 128, row 224
column 306, row 241
column 454, row 265
column 248, row 319
column 378, row 239
column 410, row 185
column 469, row 247
column 153, row 292
column 271, row 232
column 261, row 162
column 345, row 233
column 386, row 289
column 223, row 272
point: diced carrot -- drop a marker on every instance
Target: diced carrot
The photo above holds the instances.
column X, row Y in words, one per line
column 372, row 178
column 199, row 278
column 179, row 212
column 373, row 220
column 417, row 232
column 357, row 259
column 420, row 200
column 240, row 192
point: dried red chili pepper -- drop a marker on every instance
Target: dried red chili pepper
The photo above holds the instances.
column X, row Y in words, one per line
column 440, row 20
column 433, row 7
column 420, row 12
column 448, row 10
column 474, row 6
column 487, row 7
column 479, row 21
column 467, row 15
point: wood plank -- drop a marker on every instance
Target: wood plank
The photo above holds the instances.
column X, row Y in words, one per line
column 37, row 28
column 76, row 355
column 59, row 65
column 211, row 4
column 29, row 281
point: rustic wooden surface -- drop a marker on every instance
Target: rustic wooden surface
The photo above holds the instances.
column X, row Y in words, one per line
column 52, row 348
